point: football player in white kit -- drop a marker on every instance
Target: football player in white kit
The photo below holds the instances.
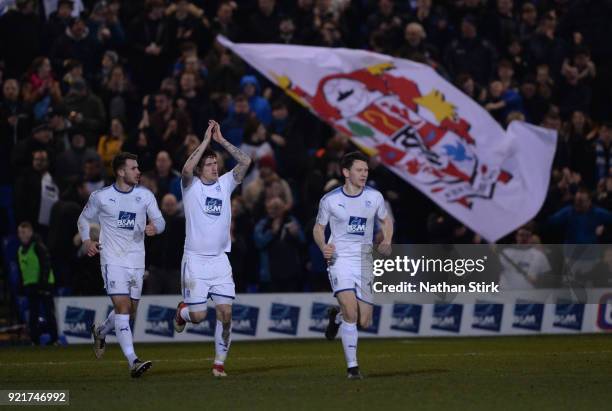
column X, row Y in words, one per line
column 205, row 269
column 122, row 210
column 351, row 212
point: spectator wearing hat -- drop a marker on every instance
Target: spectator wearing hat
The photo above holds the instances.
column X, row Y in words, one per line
column 86, row 111
column 250, row 87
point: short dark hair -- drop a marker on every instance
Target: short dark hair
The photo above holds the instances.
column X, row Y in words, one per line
column 349, row 158
column 240, row 98
column 584, row 190
column 208, row 153
column 26, row 225
column 120, row 160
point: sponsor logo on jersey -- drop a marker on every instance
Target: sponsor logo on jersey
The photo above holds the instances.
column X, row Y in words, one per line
column 528, row 316
column 160, row 321
column 206, row 327
column 212, row 206
column 357, row 225
column 373, row 328
column 604, row 313
column 78, row 322
column 244, row 319
column 127, row 220
column 284, row 319
column 488, row 316
column 318, row 317
column 569, row 316
column 406, row 317
column 447, row 317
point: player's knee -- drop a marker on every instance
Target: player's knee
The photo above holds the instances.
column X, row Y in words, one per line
column 197, row 317
column 365, row 322
column 350, row 316
column 224, row 313
column 122, row 307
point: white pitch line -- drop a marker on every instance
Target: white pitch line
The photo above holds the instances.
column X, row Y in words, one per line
column 197, row 360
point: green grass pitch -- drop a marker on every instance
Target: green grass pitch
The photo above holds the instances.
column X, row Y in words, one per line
column 539, row 373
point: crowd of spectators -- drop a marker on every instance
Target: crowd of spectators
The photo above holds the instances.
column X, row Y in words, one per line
column 83, row 80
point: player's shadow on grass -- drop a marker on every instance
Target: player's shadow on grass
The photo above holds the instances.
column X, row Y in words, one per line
column 405, row 373
column 257, row 370
column 240, row 371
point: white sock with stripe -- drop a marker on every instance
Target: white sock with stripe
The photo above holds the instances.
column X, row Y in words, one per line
column 221, row 349
column 349, row 335
column 124, row 336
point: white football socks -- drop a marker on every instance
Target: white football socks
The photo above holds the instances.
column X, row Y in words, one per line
column 221, row 349
column 348, row 333
column 124, row 336
column 185, row 314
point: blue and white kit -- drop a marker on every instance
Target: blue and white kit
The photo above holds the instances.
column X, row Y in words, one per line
column 351, row 220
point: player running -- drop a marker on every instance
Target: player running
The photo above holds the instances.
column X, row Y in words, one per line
column 351, row 211
column 205, row 269
column 122, row 210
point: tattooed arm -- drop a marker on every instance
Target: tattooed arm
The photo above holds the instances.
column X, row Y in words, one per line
column 194, row 158
column 244, row 161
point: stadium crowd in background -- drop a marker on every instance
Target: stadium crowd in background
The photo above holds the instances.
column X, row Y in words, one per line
column 90, row 79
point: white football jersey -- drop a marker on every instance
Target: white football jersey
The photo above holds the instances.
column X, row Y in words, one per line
column 208, row 215
column 123, row 218
column 531, row 261
column 351, row 220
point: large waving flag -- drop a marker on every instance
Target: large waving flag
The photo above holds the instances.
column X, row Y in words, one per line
column 423, row 128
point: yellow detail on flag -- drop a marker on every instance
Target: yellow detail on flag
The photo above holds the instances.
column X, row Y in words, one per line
column 379, row 69
column 284, row 82
column 435, row 102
